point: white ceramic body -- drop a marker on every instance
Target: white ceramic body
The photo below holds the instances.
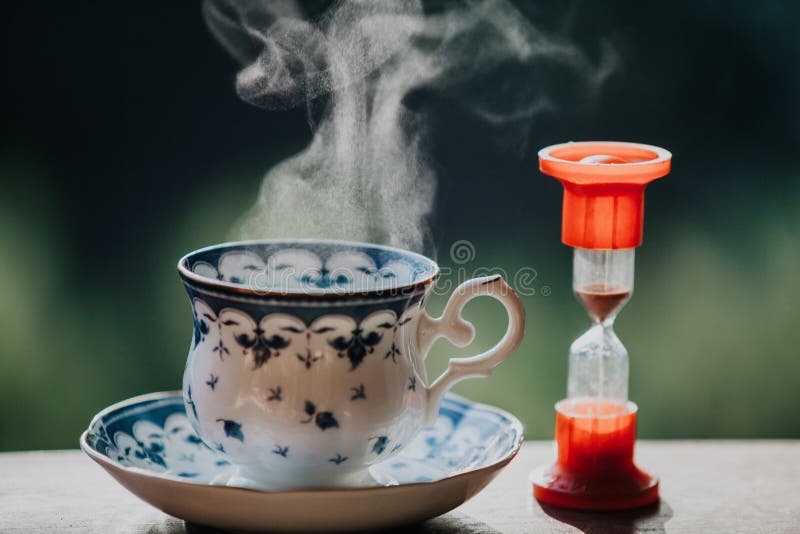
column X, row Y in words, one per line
column 310, row 390
column 361, row 414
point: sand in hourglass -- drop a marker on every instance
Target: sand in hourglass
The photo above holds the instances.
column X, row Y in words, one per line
column 602, row 301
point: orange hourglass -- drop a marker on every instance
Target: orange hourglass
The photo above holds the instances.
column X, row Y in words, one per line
column 596, row 424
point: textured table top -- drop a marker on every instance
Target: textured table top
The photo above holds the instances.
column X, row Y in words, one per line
column 706, row 486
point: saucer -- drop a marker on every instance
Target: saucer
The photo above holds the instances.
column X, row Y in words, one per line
column 148, row 445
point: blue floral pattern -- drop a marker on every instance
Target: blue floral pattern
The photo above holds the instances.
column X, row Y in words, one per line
column 302, row 267
column 315, row 373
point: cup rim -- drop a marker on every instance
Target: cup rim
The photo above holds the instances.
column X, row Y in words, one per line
column 190, row 277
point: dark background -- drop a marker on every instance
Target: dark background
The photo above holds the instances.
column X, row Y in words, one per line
column 123, row 146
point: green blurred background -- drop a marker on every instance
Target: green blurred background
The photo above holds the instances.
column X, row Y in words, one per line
column 123, row 146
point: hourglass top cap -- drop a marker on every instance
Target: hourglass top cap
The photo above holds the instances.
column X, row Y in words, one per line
column 604, row 185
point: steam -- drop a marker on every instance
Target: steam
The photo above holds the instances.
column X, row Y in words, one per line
column 364, row 175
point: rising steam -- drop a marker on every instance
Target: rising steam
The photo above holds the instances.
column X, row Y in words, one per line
column 364, row 175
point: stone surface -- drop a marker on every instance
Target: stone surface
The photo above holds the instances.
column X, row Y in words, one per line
column 706, row 486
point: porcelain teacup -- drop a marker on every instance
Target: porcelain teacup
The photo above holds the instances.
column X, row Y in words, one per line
column 307, row 361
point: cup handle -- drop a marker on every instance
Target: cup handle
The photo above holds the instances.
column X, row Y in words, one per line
column 460, row 332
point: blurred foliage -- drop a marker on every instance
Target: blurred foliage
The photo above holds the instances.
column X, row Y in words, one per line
column 109, row 174
column 712, row 341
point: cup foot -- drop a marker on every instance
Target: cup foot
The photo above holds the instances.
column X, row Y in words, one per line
column 260, row 479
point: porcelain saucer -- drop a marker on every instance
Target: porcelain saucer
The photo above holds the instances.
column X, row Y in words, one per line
column 148, row 445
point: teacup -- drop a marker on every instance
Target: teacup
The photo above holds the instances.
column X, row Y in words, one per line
column 307, row 360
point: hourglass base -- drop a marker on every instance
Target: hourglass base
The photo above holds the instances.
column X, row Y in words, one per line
column 595, row 469
column 558, row 487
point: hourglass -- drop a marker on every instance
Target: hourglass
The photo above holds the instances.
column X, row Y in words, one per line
column 596, row 424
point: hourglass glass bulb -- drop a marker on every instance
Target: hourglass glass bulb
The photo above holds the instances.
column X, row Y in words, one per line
column 603, row 281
